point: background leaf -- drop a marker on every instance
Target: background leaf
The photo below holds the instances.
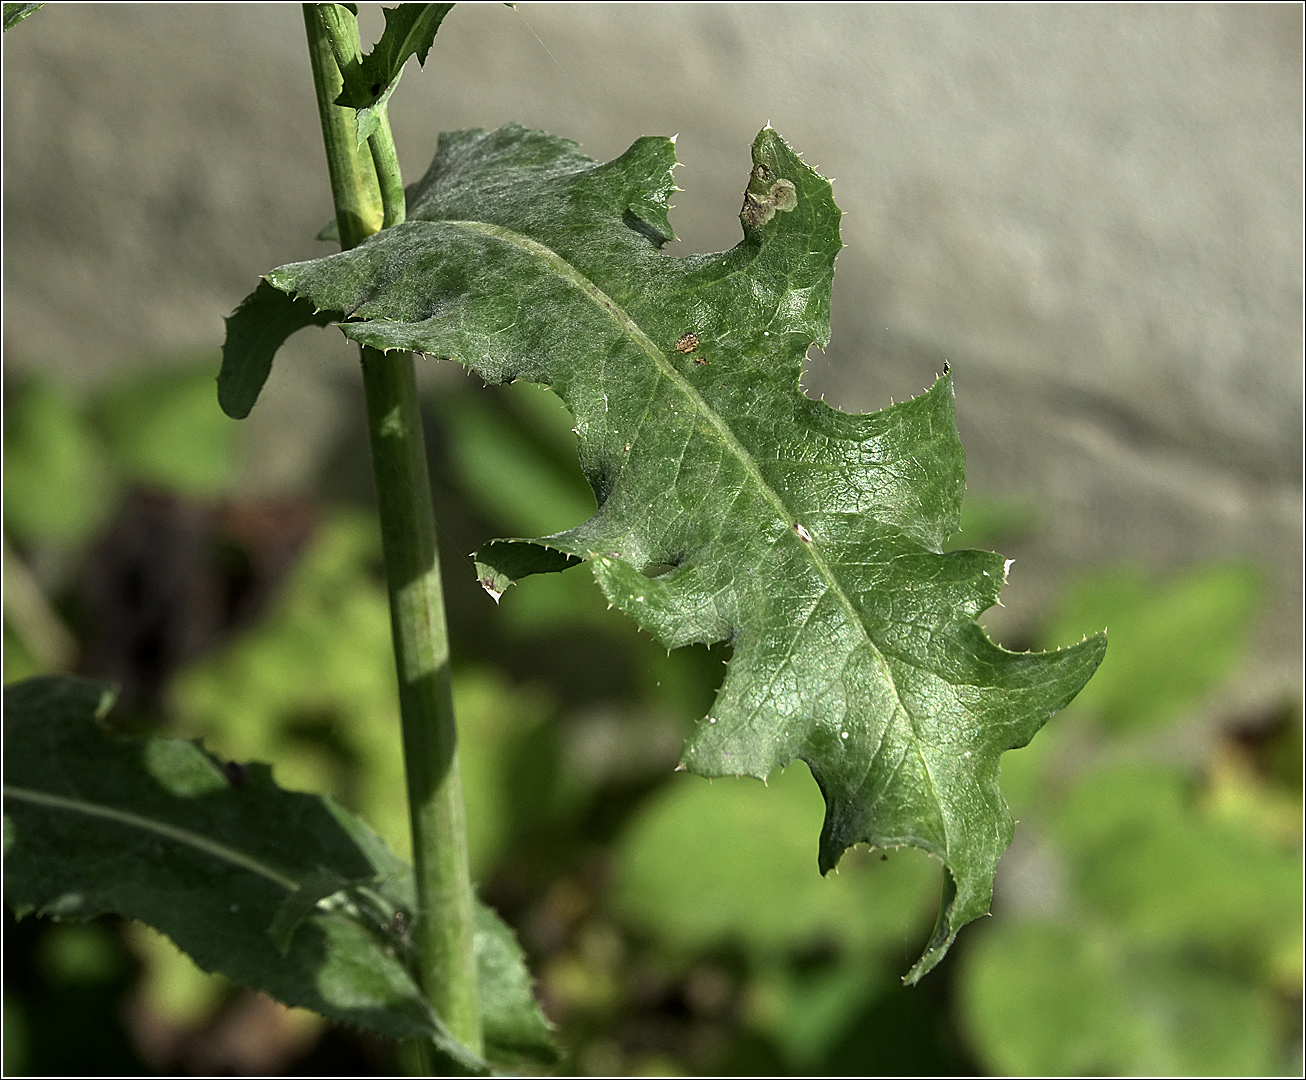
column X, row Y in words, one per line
column 1168, row 936
column 312, row 689
column 714, row 868
column 158, row 830
column 730, row 506
column 508, row 471
column 707, row 865
column 1144, row 859
column 1046, row 999
column 161, row 428
column 57, row 486
column 1176, row 640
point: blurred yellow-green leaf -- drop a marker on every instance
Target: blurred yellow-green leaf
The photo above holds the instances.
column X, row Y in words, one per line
column 57, row 486
column 733, row 861
column 1176, row 941
column 1047, row 999
column 312, row 688
column 1147, row 857
column 505, row 465
column 1172, row 641
column 162, row 428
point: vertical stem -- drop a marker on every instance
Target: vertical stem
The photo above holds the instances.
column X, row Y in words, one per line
column 353, row 176
column 444, row 928
column 342, row 38
column 382, row 144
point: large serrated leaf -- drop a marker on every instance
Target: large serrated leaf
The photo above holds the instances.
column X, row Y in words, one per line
column 808, row 538
column 281, row 891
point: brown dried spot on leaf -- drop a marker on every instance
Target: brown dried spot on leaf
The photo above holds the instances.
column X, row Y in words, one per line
column 759, row 209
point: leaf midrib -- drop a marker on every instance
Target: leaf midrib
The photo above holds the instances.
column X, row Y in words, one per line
column 569, row 272
column 632, row 329
column 405, row 47
column 161, row 828
column 566, row 270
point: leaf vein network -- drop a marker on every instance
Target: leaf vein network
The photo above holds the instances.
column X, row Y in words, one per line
column 566, row 270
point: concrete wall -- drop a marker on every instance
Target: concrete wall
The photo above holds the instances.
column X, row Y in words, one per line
column 1095, row 213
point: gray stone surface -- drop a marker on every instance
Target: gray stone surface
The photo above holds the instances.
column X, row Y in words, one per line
column 1095, row 213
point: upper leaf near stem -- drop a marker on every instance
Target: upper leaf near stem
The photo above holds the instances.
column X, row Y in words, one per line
column 808, row 538
column 16, row 13
column 410, row 30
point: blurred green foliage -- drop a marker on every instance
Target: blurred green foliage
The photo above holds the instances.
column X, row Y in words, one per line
column 56, row 482
column 1172, row 943
column 709, row 865
column 69, row 457
column 1148, row 919
column 161, row 428
column 68, row 461
column 1172, row 641
column 312, row 689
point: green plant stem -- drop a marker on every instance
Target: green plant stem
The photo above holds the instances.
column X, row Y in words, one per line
column 354, row 188
column 444, row 927
column 342, row 36
column 382, row 144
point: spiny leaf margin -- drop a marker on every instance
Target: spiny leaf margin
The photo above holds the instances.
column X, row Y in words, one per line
column 809, row 539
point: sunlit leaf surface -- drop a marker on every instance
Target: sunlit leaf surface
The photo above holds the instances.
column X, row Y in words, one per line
column 730, row 507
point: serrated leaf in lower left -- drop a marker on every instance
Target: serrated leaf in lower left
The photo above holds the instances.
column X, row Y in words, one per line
column 157, row 830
